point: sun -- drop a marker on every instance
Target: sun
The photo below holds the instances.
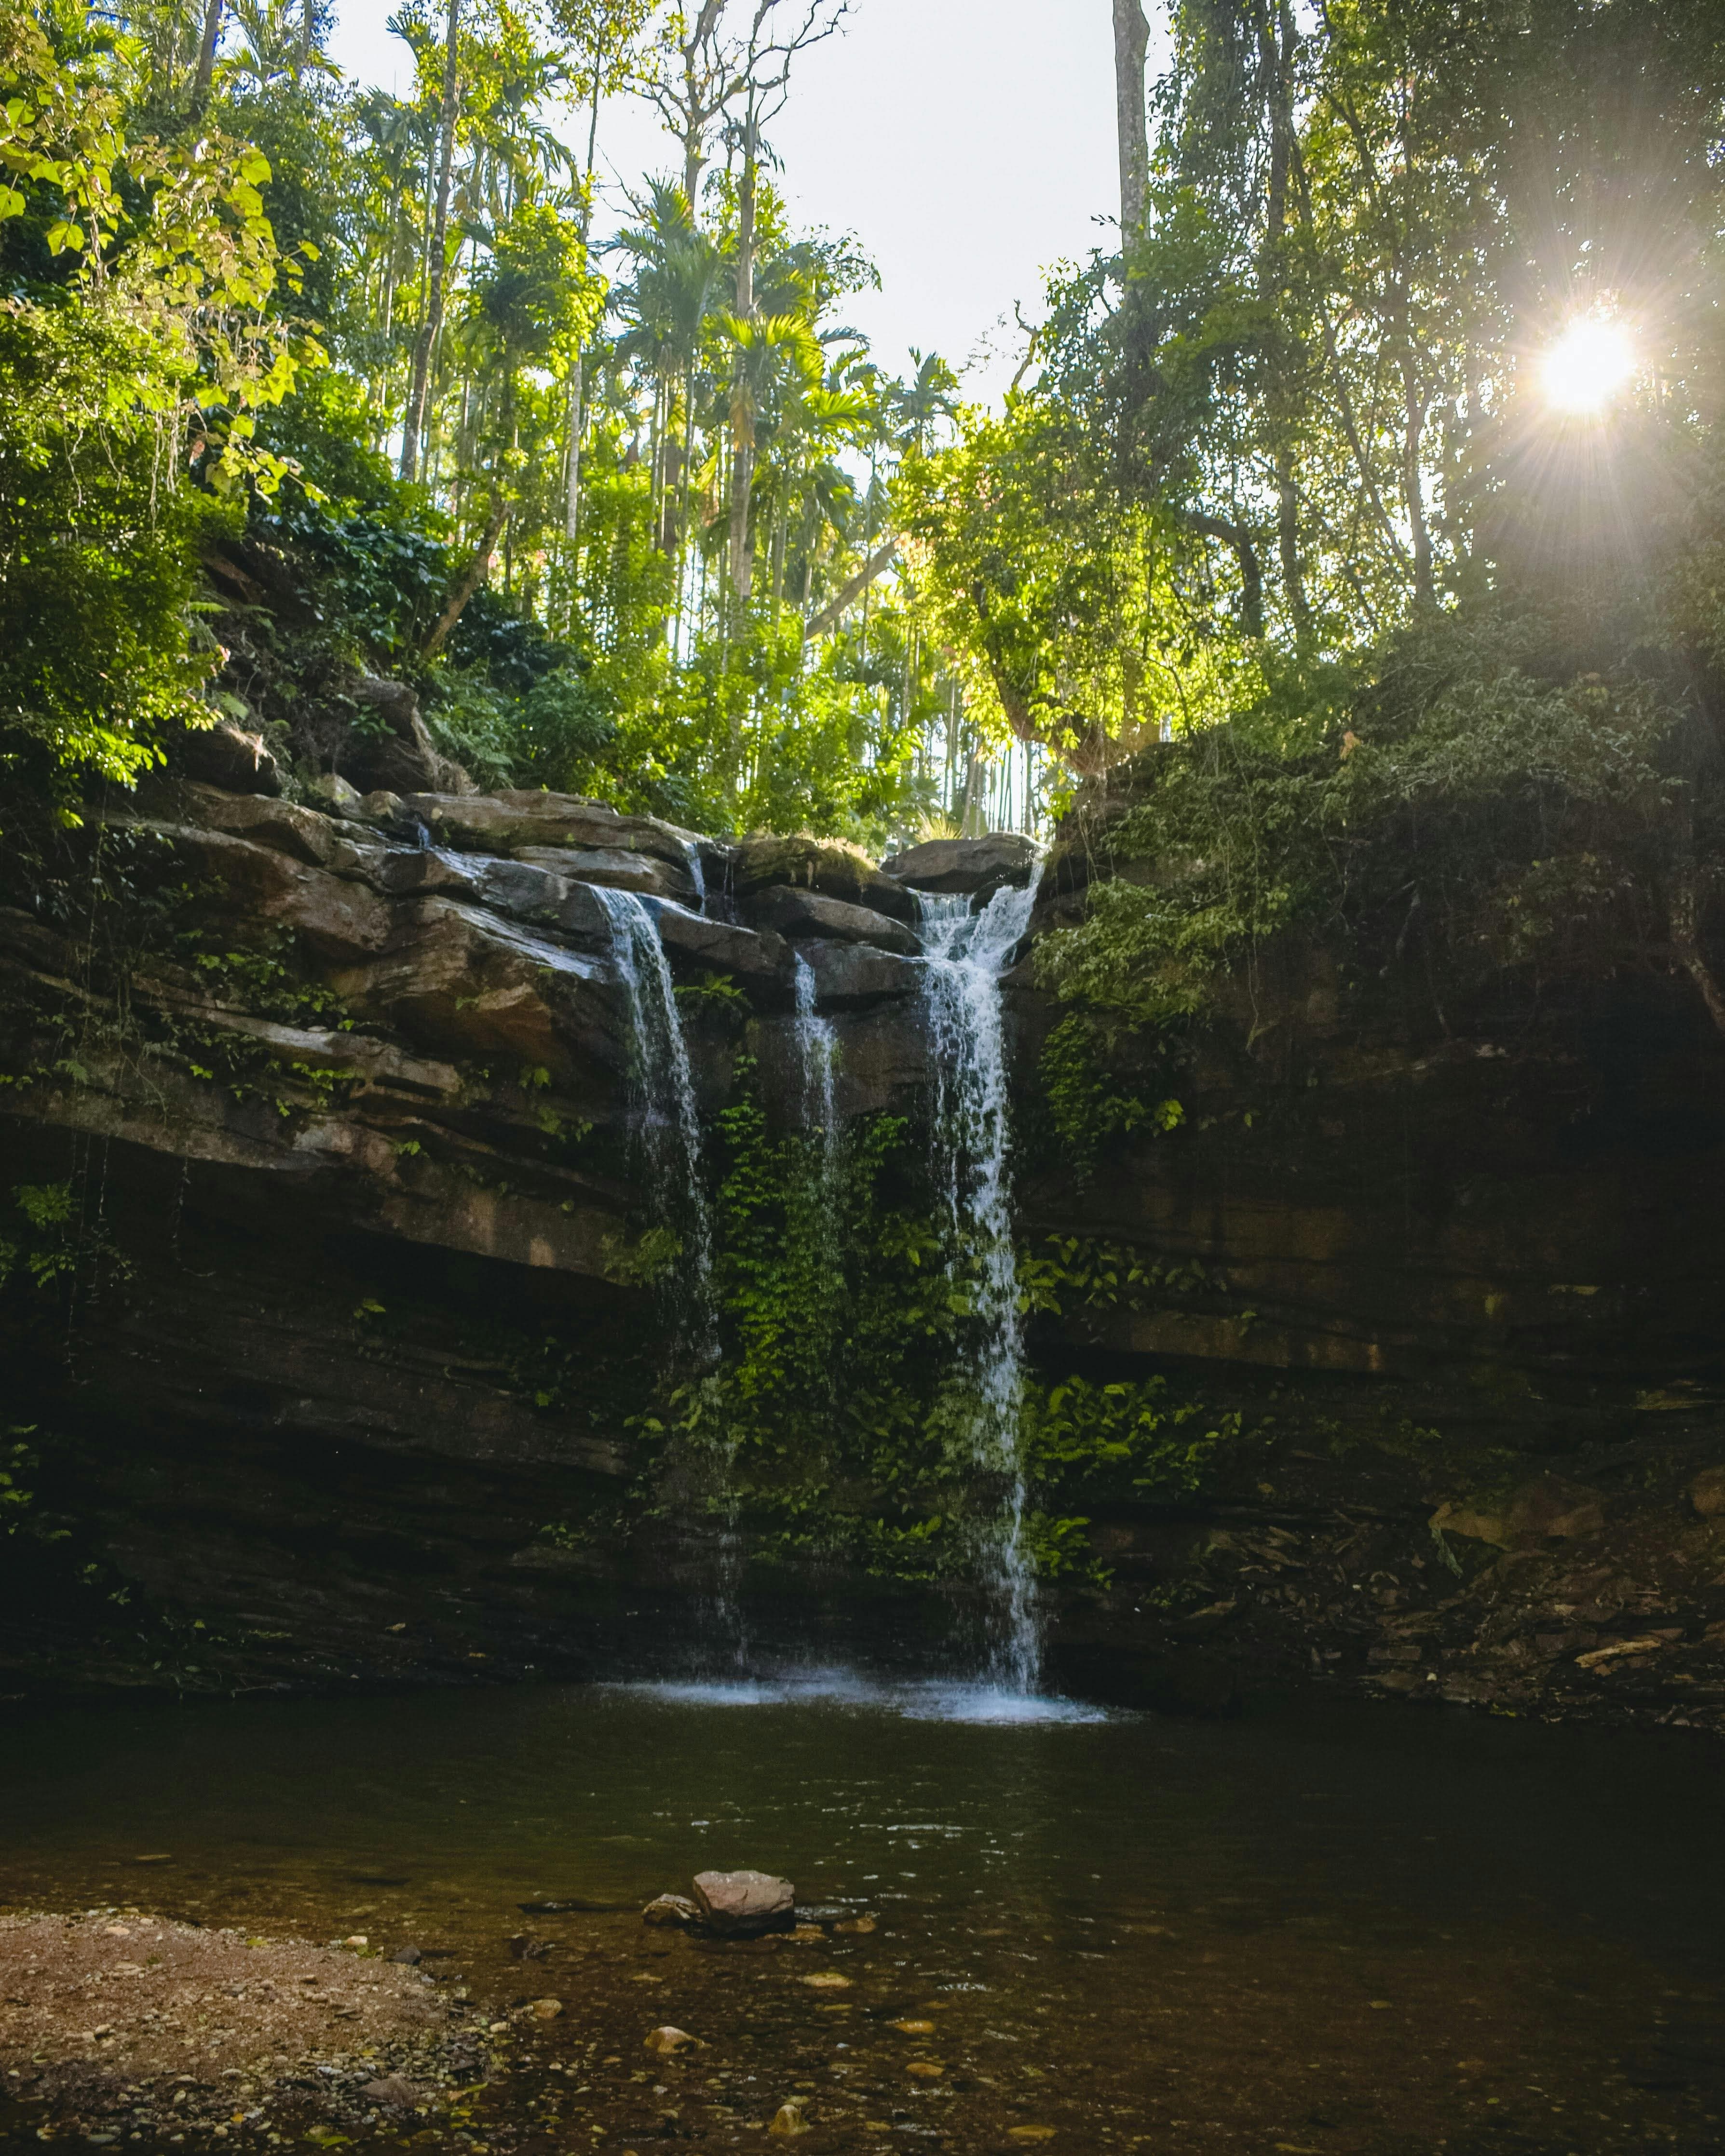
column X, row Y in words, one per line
column 1587, row 365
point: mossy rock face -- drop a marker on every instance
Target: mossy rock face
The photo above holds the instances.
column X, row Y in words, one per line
column 813, row 864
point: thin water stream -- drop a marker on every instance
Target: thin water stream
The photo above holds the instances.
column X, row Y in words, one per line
column 1359, row 1932
column 967, row 951
column 662, row 1091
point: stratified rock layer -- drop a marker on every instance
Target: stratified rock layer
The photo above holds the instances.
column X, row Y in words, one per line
column 359, row 1233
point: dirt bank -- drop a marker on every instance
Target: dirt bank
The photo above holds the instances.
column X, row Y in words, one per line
column 167, row 2030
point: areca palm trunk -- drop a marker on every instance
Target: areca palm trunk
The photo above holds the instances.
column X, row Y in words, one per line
column 419, row 388
column 741, row 417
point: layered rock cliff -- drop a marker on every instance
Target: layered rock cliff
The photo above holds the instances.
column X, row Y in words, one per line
column 331, row 1286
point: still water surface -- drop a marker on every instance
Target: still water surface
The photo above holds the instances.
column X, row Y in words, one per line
column 1317, row 1928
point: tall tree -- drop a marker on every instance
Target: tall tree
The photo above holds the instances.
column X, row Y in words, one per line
column 774, row 39
column 1131, row 47
column 437, row 265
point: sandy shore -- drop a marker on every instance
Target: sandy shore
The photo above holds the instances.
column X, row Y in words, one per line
column 117, row 2023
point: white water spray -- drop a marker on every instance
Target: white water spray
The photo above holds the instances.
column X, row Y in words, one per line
column 967, row 952
column 817, row 1051
column 662, row 1089
column 697, row 873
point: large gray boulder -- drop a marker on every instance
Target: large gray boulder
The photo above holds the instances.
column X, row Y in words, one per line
column 848, row 973
column 795, row 913
column 394, row 751
column 822, row 864
column 741, row 1904
column 978, row 866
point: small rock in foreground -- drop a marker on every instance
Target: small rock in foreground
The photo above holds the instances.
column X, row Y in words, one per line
column 396, row 2089
column 1707, row 1492
column 740, row 1903
column 788, row 2122
column 671, row 1909
column 666, row 2040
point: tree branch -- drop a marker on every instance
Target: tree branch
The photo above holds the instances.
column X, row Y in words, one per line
column 851, row 590
column 472, row 577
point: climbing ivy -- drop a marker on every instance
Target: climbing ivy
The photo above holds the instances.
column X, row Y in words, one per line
column 834, row 1423
column 1087, row 1105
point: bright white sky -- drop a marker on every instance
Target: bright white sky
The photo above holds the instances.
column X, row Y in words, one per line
column 967, row 143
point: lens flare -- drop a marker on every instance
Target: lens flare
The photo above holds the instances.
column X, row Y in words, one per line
column 1587, row 365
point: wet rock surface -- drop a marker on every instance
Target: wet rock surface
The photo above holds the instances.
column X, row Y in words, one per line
column 744, row 1904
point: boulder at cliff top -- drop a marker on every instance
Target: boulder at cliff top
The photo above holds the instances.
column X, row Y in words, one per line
column 979, row 866
column 819, row 865
column 797, row 913
column 743, row 1903
column 392, row 751
column 506, row 823
column 227, row 756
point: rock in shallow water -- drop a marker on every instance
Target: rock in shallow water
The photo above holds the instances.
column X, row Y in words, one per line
column 742, row 1903
column 394, row 2089
column 666, row 2040
column 671, row 1909
column 1707, row 1492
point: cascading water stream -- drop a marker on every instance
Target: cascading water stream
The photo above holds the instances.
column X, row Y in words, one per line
column 697, row 873
column 662, row 1094
column 817, row 1057
column 817, row 1051
column 967, row 953
column 662, row 1099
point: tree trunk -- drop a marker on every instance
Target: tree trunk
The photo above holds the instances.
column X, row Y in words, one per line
column 1277, row 43
column 1246, row 553
column 572, row 502
column 742, row 416
column 577, row 420
column 851, row 590
column 1414, row 484
column 1131, row 44
column 1288, row 543
column 419, row 387
column 205, row 76
column 472, row 577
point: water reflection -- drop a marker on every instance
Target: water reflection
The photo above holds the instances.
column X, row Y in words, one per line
column 1348, row 1931
column 926, row 1700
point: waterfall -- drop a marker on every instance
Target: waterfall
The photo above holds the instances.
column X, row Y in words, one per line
column 967, row 953
column 661, row 1090
column 817, row 1050
column 662, row 1101
column 817, row 1054
column 697, row 873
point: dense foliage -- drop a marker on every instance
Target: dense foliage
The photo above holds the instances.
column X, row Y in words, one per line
column 1305, row 404
column 311, row 383
column 1300, row 481
column 836, row 1425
